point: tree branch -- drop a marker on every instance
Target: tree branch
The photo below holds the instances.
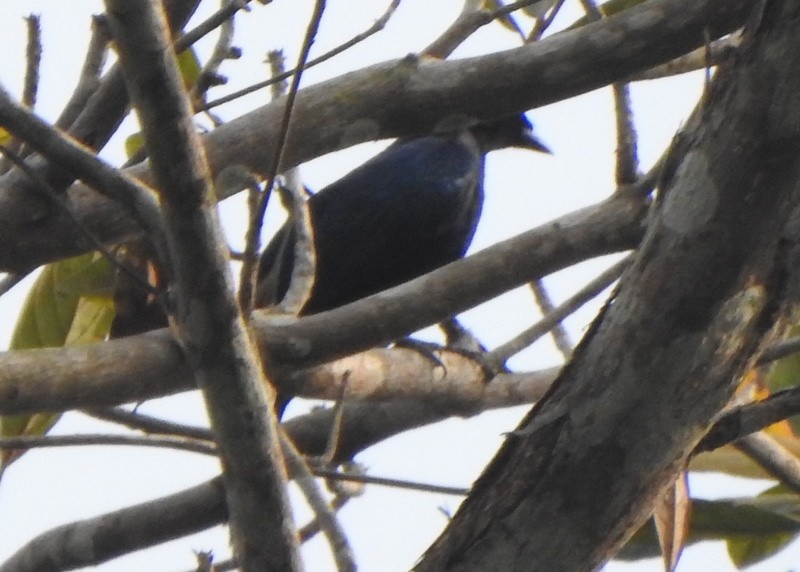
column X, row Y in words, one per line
column 151, row 364
column 398, row 98
column 211, row 329
column 573, row 482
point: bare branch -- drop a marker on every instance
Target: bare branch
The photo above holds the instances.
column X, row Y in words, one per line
column 93, row 541
column 379, row 24
column 33, row 58
column 89, row 78
column 340, row 547
column 750, row 418
column 203, row 506
column 502, row 353
column 283, row 133
column 179, row 444
column 217, row 344
column 668, row 349
column 404, row 98
column 468, row 22
column 774, row 458
column 148, row 424
column 124, row 370
column 558, row 332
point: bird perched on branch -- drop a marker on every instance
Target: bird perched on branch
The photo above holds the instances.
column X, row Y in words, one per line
column 405, row 212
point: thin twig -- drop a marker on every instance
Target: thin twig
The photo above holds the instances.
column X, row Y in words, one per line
column 331, row 529
column 509, row 21
column 546, row 306
column 387, row 482
column 468, row 22
column 502, row 353
column 305, row 533
column 542, row 23
column 379, row 25
column 248, row 275
column 209, row 74
column 627, row 157
column 283, row 132
column 301, row 282
column 30, row 442
column 89, row 78
column 773, row 457
column 310, row 530
column 779, row 350
column 716, row 53
column 209, row 24
column 149, row 424
column 33, row 60
column 336, row 427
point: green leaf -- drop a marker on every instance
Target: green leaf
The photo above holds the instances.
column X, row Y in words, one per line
column 92, row 321
column 746, row 551
column 49, row 310
column 779, row 500
column 189, row 66
column 70, row 303
column 133, row 143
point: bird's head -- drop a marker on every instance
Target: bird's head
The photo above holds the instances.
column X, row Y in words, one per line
column 512, row 131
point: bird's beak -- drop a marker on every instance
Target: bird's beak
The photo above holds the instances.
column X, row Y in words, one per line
column 530, row 141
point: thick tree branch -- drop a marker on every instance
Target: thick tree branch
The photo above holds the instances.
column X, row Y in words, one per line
column 151, row 364
column 573, row 482
column 96, row 540
column 211, row 330
column 750, row 418
column 114, row 534
column 399, row 98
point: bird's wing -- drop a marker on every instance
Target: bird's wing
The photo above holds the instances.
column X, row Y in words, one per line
column 408, row 210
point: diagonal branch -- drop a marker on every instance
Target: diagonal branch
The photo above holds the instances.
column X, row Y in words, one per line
column 211, row 330
column 152, row 364
column 400, row 98
column 665, row 355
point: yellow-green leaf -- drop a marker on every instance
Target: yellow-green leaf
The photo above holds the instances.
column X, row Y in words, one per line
column 189, row 66
column 92, row 322
column 70, row 303
column 133, row 143
column 746, row 551
column 48, row 312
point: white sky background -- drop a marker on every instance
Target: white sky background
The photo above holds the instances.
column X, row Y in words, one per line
column 388, row 528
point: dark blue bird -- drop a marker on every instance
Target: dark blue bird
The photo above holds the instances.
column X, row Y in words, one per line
column 405, row 212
